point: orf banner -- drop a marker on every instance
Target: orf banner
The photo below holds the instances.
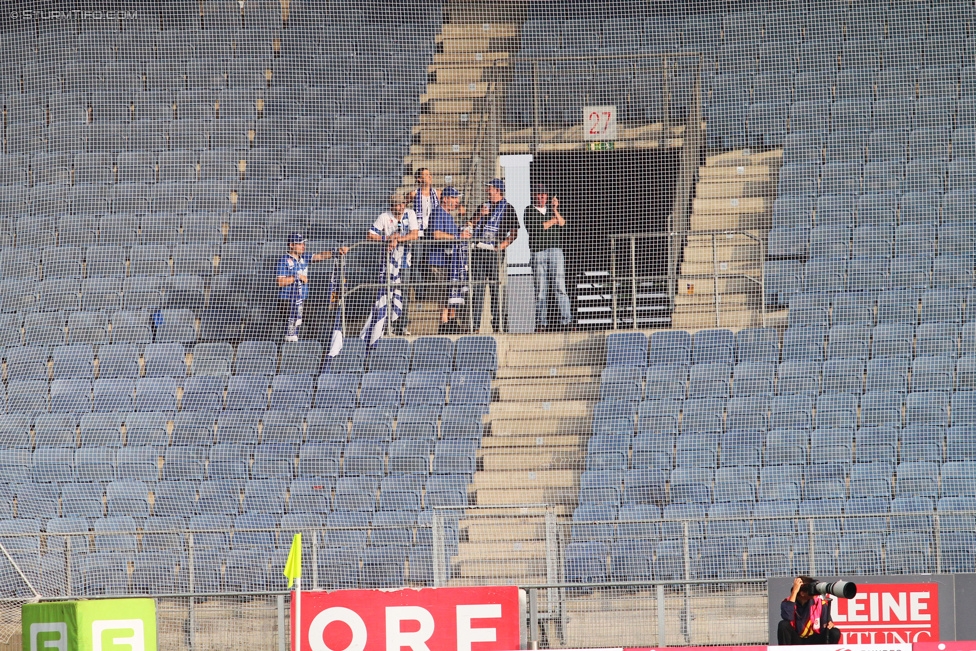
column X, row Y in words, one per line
column 887, row 611
column 425, row 619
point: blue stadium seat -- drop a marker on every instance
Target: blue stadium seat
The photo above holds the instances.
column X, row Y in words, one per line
column 799, row 377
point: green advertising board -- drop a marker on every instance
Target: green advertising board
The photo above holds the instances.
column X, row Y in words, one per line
column 97, row 625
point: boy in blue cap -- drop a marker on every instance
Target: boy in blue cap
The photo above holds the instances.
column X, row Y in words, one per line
column 292, row 279
column 447, row 262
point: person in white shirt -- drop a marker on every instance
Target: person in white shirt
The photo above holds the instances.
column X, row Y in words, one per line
column 425, row 199
column 396, row 226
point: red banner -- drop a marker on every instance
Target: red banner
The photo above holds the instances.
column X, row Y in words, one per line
column 702, row 648
column 425, row 619
column 889, row 613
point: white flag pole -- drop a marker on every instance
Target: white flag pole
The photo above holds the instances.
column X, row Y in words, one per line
column 298, row 614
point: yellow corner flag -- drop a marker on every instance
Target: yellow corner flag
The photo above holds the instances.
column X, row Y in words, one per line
column 293, row 566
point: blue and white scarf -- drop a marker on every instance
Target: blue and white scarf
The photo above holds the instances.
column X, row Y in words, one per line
column 376, row 324
column 458, row 256
column 487, row 229
column 418, row 207
column 335, row 347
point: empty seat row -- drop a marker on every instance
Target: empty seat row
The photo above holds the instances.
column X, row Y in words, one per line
column 835, row 441
column 881, row 205
column 187, row 497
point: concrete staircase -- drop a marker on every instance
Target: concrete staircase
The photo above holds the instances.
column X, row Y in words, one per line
column 735, row 192
column 452, row 137
column 531, row 457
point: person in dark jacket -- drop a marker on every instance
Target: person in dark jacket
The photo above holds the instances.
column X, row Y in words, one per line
column 545, row 226
column 806, row 617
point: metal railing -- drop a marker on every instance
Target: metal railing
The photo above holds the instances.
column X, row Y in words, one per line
column 554, row 74
column 669, row 596
column 419, row 250
column 673, row 243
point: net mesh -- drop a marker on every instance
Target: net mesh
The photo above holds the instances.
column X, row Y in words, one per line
column 750, row 278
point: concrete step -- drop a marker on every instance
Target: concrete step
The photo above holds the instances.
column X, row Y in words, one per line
column 504, row 529
column 465, row 57
column 444, row 135
column 449, row 105
column 751, row 268
column 542, row 410
column 556, row 341
column 546, row 370
column 700, row 301
column 529, row 479
column 726, row 319
column 480, row 30
column 732, row 254
column 581, row 357
column 740, row 173
column 472, row 90
column 730, row 189
column 529, row 444
column 429, row 120
column 727, row 285
column 512, row 571
column 518, row 460
column 554, row 425
column 464, row 45
column 457, row 74
column 567, row 495
column 773, row 157
column 548, row 392
column 501, row 551
column 732, row 206
column 731, row 222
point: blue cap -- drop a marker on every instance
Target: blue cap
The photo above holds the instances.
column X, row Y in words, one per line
column 498, row 184
column 450, row 191
column 296, row 238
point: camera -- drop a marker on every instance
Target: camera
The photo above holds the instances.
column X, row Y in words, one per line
column 842, row 589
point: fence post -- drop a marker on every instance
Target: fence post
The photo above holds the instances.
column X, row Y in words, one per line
column 938, row 545
column 552, row 558
column 389, row 296
column 633, row 281
column 535, row 106
column 613, row 280
column 315, row 560
column 282, row 645
column 718, row 321
column 533, row 618
column 686, row 616
column 67, row 565
column 661, row 636
column 813, row 563
column 192, row 632
column 438, row 564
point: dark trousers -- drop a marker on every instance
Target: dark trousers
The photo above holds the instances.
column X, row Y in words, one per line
column 787, row 635
column 484, row 272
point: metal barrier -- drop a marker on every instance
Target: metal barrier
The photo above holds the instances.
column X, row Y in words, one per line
column 419, row 249
column 684, row 598
column 723, row 277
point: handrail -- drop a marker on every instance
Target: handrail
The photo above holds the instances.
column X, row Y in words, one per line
column 674, row 237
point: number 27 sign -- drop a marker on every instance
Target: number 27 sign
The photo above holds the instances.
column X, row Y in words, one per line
column 599, row 122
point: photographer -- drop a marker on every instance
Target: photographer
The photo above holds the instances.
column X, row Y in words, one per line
column 806, row 616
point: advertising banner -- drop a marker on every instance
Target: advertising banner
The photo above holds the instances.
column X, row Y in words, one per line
column 887, row 611
column 425, row 619
column 96, row 625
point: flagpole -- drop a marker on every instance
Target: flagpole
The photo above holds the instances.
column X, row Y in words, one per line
column 298, row 614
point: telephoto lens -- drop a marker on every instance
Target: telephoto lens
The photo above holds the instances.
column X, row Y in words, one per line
column 842, row 589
